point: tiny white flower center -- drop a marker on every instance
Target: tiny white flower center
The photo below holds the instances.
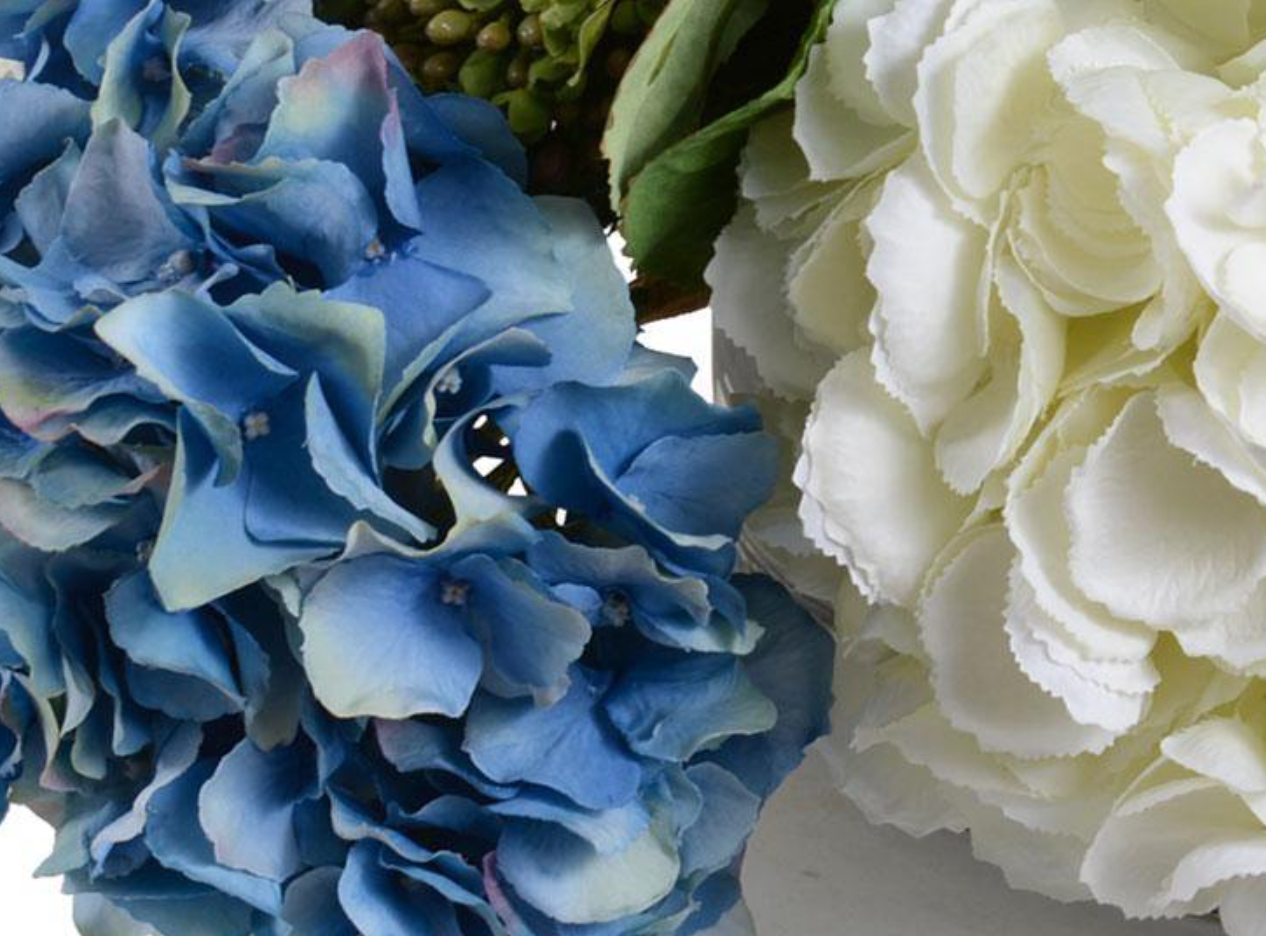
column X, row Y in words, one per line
column 450, row 383
column 256, row 426
column 375, row 250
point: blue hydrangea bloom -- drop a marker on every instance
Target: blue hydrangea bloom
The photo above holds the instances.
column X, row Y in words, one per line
column 359, row 574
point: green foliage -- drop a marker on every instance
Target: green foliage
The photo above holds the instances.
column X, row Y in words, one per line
column 672, row 162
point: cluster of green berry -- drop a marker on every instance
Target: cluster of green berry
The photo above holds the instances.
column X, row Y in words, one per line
column 547, row 62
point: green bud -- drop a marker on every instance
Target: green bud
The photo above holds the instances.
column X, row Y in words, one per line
column 451, row 27
column 625, row 19
column 531, row 35
column 495, row 37
column 517, row 71
column 529, row 115
column 482, row 74
column 425, row 9
column 440, row 68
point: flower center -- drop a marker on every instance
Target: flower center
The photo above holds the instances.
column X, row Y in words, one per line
column 454, row 592
column 616, row 610
column 256, row 426
column 450, row 383
column 155, row 69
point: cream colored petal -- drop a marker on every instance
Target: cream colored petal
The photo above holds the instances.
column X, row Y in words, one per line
column 897, row 42
column 1039, row 528
column 831, row 298
column 1230, row 371
column 1155, row 535
column 979, row 685
column 1218, row 211
column 750, row 306
column 838, row 142
column 1134, row 859
column 925, row 265
column 982, row 90
column 1223, row 749
column 872, row 495
column 1090, row 692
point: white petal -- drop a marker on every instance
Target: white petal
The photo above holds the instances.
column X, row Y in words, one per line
column 845, row 46
column 1087, row 691
column 1230, row 370
column 749, row 305
column 774, row 177
column 981, row 90
column 1217, row 212
column 925, row 264
column 1236, row 640
column 872, row 495
column 1192, row 426
column 827, row 286
column 1223, row 749
column 1039, row 528
column 987, row 429
column 978, row 684
column 838, row 142
column 897, row 42
column 1156, row 536
column 1133, row 861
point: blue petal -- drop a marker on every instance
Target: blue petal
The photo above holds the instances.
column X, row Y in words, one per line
column 729, row 814
column 190, row 643
column 312, row 905
column 564, row 877
column 41, row 205
column 170, row 903
column 380, row 641
column 413, row 746
column 117, row 221
column 601, row 308
column 48, row 117
column 483, row 126
column 247, row 808
column 608, row 831
column 203, row 550
column 568, row 746
column 792, row 666
column 530, row 639
column 671, row 709
column 317, row 214
column 91, row 27
column 221, row 32
column 141, row 85
column 378, row 904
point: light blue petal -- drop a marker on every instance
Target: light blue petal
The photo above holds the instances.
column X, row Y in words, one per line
column 565, row 878
column 141, row 85
column 41, row 205
column 792, row 665
column 380, row 641
column 117, row 221
column 729, row 815
column 312, row 906
column 91, row 27
column 48, row 117
column 413, row 746
column 568, row 746
column 190, row 643
column 602, row 310
column 203, row 551
column 529, row 638
column 608, row 831
column 378, row 904
column 671, row 709
column 247, row 808
column 221, row 33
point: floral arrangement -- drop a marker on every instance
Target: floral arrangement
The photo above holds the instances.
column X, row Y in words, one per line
column 1011, row 253
column 359, row 573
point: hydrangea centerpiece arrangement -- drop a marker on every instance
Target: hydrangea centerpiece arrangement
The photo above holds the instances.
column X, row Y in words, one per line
column 1012, row 250
column 359, row 573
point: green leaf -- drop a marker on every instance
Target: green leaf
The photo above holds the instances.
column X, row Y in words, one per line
column 661, row 97
column 678, row 188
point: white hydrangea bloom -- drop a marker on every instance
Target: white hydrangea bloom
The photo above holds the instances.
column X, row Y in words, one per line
column 1011, row 254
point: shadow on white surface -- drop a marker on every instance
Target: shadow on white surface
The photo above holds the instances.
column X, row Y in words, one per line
column 817, row 868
